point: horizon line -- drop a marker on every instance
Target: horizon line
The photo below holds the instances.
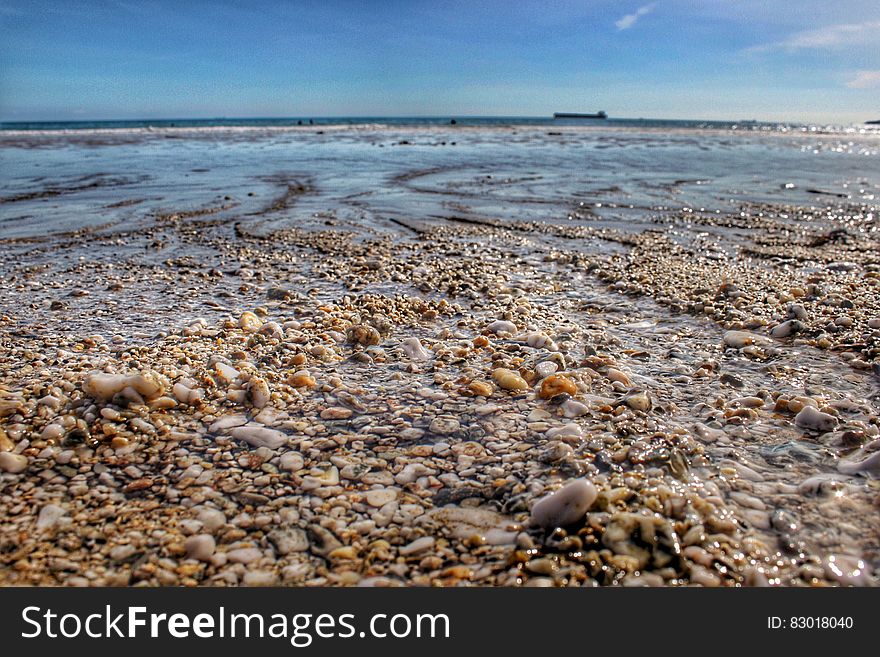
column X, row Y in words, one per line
column 403, row 116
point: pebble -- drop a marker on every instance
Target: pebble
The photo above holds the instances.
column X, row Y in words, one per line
column 49, row 516
column 122, row 552
column 569, row 433
column 260, row 578
column 851, row 467
column 258, row 390
column 13, row 463
column 813, row 419
column 336, row 413
column 418, row 546
column 565, row 506
column 639, row 401
column 571, row 408
column 226, row 373
column 413, row 348
column 302, row 379
column 103, row 387
column 444, row 425
column 618, row 376
column 740, row 339
column 244, row 555
column 556, row 384
column 363, row 335
column 292, row 461
column 288, row 540
column 545, row 368
column 249, row 322
column 259, row 436
column 200, row 547
column 509, row 380
column 502, row 326
column 227, row 422
column 211, row 519
column 787, row 328
column 380, row 497
column 481, row 388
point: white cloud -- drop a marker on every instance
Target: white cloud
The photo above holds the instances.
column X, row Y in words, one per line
column 831, row 36
column 864, row 80
column 630, row 19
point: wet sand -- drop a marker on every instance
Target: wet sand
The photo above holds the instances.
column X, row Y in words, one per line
column 328, row 382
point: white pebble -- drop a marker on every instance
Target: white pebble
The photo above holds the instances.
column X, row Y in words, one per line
column 567, row 505
column 502, row 326
column 259, row 436
column 813, row 419
column 414, row 349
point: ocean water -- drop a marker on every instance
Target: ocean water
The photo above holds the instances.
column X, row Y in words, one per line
column 486, row 121
column 62, row 177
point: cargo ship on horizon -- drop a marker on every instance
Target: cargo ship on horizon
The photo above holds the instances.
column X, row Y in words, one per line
column 574, row 115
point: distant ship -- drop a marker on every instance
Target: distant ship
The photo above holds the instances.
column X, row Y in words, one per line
column 874, row 122
column 573, row 115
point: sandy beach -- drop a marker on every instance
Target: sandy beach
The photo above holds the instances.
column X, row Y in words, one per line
column 494, row 356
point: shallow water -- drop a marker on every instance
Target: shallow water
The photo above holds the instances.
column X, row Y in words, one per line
column 60, row 182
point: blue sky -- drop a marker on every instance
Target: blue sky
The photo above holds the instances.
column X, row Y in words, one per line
column 810, row 60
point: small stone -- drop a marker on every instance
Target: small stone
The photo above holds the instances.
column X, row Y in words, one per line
column 787, row 328
column 556, row 384
column 200, row 547
column 444, row 425
column 249, row 322
column 336, row 413
column 618, row 376
column 258, row 392
column 49, row 516
column 569, row 433
column 13, row 463
column 639, row 401
column 501, row 326
column 851, row 467
column 509, row 380
column 363, row 335
column 122, row 552
column 302, row 379
column 226, row 373
column 211, row 519
column 813, row 419
column 103, row 387
column 565, row 506
column 481, row 388
column 414, row 349
column 244, row 555
column 797, row 311
column 260, row 578
column 418, row 546
column 546, row 368
column 292, row 461
column 740, row 339
column 572, row 408
column 259, row 436
column 289, row 539
column 380, row 497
